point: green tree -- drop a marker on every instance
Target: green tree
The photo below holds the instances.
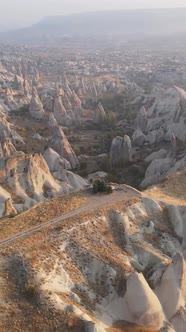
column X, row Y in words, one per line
column 100, row 186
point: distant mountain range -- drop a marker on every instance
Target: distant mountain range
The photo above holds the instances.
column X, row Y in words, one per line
column 130, row 23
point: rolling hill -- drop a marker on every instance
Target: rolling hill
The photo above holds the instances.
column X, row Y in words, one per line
column 128, row 23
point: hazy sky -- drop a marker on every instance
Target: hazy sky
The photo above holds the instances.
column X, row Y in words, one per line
column 15, row 13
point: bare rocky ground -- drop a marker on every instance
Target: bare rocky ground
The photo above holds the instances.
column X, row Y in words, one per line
column 79, row 271
column 71, row 260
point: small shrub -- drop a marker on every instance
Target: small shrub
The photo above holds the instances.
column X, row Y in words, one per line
column 109, row 190
column 100, row 186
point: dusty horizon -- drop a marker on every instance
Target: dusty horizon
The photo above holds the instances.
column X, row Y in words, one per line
column 24, row 13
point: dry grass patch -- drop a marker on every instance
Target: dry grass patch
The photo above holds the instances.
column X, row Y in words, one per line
column 171, row 190
column 85, row 235
column 41, row 213
column 127, row 327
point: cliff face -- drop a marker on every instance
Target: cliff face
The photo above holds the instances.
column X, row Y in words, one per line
column 36, row 106
column 121, row 150
column 60, row 113
column 60, row 144
column 9, row 208
column 7, row 132
column 6, row 149
column 29, row 177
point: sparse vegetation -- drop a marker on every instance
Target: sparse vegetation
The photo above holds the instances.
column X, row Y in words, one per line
column 100, row 186
column 127, row 327
column 40, row 213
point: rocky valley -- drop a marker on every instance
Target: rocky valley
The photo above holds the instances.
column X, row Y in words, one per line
column 92, row 184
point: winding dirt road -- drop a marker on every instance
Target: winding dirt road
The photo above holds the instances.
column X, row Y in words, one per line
column 121, row 193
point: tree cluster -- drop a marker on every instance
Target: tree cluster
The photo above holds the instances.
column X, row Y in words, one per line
column 100, row 186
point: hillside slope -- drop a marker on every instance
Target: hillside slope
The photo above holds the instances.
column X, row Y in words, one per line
column 98, row 271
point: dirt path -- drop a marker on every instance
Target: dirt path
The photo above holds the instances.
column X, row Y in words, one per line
column 122, row 193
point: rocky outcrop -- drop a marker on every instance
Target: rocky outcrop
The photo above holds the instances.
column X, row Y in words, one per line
column 38, row 137
column 61, row 145
column 35, row 77
column 4, row 197
column 9, row 100
column 59, row 110
column 55, row 162
column 75, row 181
column 160, row 154
column 75, row 101
column 143, row 306
column 29, row 177
column 169, row 104
column 66, row 85
column 163, row 121
column 177, row 215
column 67, row 103
column 9, row 94
column 176, row 219
column 156, row 171
column 169, row 111
column 52, row 123
column 94, row 92
column 36, row 107
column 121, row 151
column 60, row 170
column 173, row 286
column 19, row 70
column 180, row 164
column 100, row 115
column 179, row 320
column 6, row 149
column 184, row 237
column 138, row 305
column 76, row 111
column 155, row 136
column 26, row 87
column 178, row 129
column 2, row 68
column 141, row 121
column 9, row 208
column 138, row 138
column 162, row 162
column 7, row 133
column 47, row 99
column 82, row 88
column 18, row 83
